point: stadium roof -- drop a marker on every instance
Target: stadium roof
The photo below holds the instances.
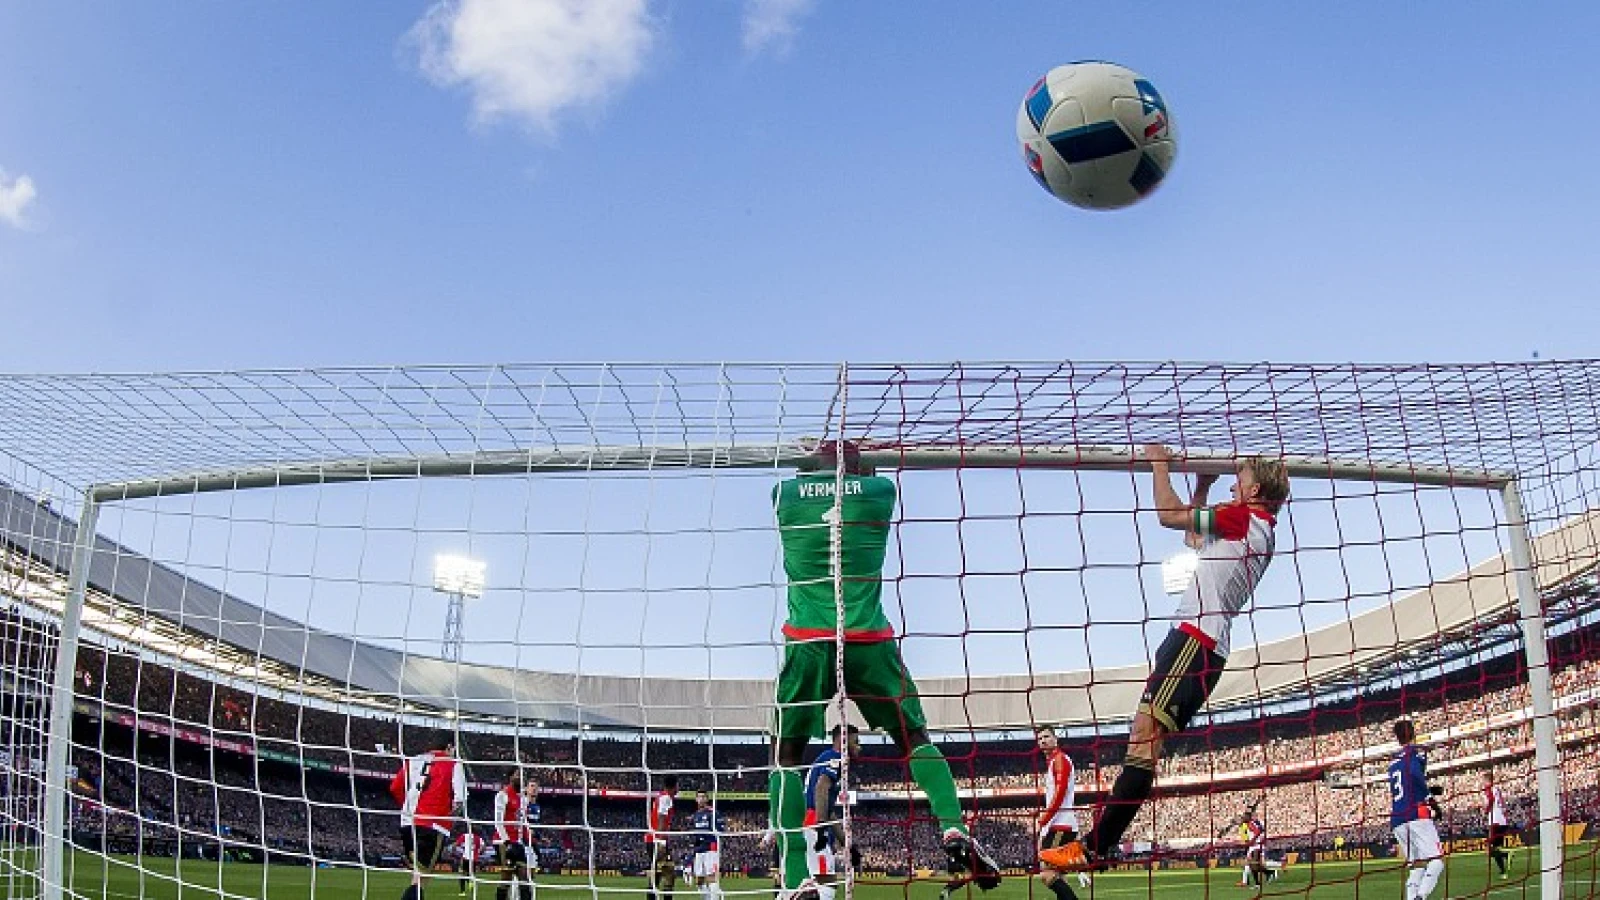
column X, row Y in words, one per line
column 282, row 652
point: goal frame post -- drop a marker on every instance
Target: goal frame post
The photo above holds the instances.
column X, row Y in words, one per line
column 626, row 458
column 58, row 743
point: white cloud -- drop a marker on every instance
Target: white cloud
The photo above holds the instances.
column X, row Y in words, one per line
column 773, row 23
column 15, row 195
column 531, row 60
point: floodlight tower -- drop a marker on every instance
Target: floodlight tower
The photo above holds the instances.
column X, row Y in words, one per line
column 459, row 578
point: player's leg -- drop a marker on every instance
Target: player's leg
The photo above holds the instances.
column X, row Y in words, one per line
column 1256, row 861
column 1404, row 850
column 698, row 870
column 408, row 855
column 877, row 681
column 1497, row 850
column 805, row 684
column 428, row 846
column 1184, row 674
column 1053, row 840
column 522, row 873
column 501, row 858
column 667, row 881
column 652, row 872
column 1427, row 843
column 714, row 878
column 820, row 863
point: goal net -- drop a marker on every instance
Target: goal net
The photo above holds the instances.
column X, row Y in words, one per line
column 236, row 604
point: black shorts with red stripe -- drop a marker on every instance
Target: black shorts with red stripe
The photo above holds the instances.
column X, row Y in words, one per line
column 1186, row 671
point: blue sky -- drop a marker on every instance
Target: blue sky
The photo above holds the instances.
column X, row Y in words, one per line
column 240, row 185
column 243, row 185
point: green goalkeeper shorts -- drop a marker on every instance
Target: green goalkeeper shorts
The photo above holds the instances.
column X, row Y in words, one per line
column 875, row 679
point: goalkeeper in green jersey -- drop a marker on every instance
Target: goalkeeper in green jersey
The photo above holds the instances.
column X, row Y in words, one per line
column 812, row 508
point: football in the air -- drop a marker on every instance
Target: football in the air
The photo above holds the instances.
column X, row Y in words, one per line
column 1097, row 135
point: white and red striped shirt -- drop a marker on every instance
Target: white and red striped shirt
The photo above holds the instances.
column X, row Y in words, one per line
column 1494, row 804
column 1059, row 790
column 428, row 788
column 469, row 845
column 660, row 818
column 509, row 825
column 1238, row 545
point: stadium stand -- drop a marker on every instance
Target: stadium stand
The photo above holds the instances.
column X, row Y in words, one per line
column 176, row 763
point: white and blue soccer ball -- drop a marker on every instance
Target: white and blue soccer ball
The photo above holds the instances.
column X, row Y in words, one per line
column 1097, row 135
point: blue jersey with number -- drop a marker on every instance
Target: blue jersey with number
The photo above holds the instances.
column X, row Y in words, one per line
column 706, row 825
column 1408, row 786
column 830, row 763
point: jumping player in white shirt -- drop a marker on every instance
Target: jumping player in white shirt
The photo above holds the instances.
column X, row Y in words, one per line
column 1236, row 544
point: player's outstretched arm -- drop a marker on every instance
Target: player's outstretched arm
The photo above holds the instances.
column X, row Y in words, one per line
column 1171, row 511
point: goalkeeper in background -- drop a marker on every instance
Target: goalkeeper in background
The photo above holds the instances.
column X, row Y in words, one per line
column 876, row 680
column 1235, row 543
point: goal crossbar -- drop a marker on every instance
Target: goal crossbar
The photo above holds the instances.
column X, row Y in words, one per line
column 620, row 458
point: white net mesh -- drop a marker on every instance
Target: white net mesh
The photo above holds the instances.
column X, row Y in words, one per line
column 264, row 637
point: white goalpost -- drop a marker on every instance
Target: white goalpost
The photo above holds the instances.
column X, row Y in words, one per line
column 239, row 604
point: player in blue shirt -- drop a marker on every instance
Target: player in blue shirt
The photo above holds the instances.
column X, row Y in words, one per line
column 823, row 782
column 707, row 827
column 1412, row 813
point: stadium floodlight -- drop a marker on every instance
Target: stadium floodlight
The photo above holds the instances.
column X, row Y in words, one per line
column 458, row 578
column 453, row 574
column 1178, row 570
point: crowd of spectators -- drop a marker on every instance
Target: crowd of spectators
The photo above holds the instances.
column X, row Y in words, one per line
column 280, row 794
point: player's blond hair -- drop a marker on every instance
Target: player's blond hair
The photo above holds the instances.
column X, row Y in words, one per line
column 1272, row 477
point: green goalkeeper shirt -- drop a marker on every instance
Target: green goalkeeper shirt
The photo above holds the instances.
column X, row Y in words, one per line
column 805, row 507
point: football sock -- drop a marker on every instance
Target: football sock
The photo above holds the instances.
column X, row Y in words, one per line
column 1129, row 792
column 786, row 794
column 931, row 773
column 1413, row 881
column 1061, row 889
column 1430, row 878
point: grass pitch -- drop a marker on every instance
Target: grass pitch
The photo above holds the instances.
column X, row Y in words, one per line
column 124, row 878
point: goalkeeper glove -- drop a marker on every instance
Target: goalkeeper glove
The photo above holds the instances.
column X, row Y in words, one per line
column 824, row 838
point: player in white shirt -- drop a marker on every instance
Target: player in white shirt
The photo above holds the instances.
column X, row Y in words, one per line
column 468, row 847
column 662, row 876
column 1058, row 821
column 1236, row 544
column 431, row 789
column 511, row 840
column 1494, row 814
